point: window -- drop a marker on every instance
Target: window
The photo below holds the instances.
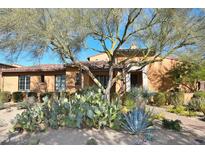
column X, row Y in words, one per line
column 42, row 78
column 78, row 79
column 24, row 82
column 103, row 79
column 60, row 83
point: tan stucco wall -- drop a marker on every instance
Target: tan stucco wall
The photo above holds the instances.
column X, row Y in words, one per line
column 99, row 57
column 10, row 83
column 158, row 79
column 34, row 83
column 70, row 80
column 50, row 83
column 48, row 86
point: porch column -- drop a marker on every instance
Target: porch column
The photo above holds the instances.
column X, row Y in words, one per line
column 144, row 78
column 82, row 79
column 128, row 82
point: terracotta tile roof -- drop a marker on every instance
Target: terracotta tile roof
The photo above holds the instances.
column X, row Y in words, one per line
column 99, row 65
column 94, row 65
column 37, row 68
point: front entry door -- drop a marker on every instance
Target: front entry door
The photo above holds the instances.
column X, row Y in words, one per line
column 136, row 79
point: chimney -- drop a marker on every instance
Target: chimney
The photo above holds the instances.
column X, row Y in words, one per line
column 133, row 46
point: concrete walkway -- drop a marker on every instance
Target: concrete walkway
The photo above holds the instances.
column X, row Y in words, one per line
column 192, row 124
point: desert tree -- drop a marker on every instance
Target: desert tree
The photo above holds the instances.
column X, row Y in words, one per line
column 65, row 31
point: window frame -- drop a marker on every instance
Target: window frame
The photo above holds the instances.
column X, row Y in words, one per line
column 103, row 79
column 61, row 80
column 24, row 85
column 78, row 81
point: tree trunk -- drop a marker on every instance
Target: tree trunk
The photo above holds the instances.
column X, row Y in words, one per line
column 109, row 85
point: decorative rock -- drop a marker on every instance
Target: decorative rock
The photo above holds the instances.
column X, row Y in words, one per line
column 91, row 141
column 34, row 141
column 42, row 127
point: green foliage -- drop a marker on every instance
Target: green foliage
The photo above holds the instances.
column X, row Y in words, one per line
column 175, row 98
column 160, row 99
column 137, row 121
column 172, row 124
column 84, row 110
column 202, row 108
column 188, row 73
column 197, row 104
column 182, row 110
column 29, row 120
column 5, row 96
column 199, row 94
column 23, row 105
column 92, row 110
column 158, row 116
column 32, row 94
column 17, row 96
column 50, row 95
column 193, row 104
column 136, row 95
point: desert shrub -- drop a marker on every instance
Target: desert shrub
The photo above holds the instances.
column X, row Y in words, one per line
column 135, row 96
column 172, row 124
column 22, row 105
column 199, row 94
column 17, row 96
column 64, row 95
column 50, row 95
column 5, row 96
column 197, row 104
column 194, row 104
column 159, row 99
column 138, row 94
column 202, row 108
column 175, row 98
column 92, row 110
column 182, row 110
column 29, row 120
column 137, row 121
column 83, row 111
column 158, row 116
column 32, row 94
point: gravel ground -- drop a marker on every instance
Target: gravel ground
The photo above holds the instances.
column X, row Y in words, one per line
column 71, row 136
column 192, row 124
column 6, row 116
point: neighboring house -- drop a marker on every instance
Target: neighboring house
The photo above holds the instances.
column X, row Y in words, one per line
column 59, row 77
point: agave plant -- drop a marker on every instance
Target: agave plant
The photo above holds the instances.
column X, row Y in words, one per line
column 137, row 121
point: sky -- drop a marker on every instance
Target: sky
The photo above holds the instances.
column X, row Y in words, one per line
column 49, row 57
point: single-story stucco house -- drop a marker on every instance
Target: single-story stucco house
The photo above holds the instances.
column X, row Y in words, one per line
column 59, row 77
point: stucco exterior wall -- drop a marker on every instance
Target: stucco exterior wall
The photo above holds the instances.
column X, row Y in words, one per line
column 34, row 83
column 10, row 83
column 99, row 57
column 158, row 79
column 71, row 80
column 50, row 83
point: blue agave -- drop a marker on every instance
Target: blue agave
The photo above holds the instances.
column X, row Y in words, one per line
column 137, row 121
